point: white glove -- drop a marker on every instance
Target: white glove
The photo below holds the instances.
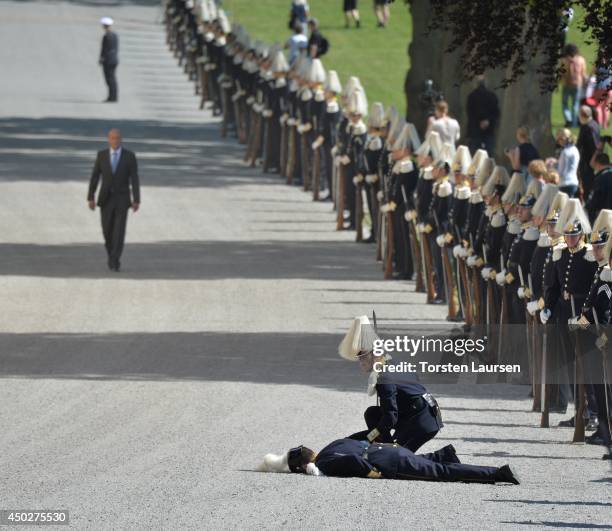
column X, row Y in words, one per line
column 318, row 142
column 291, row 121
column 345, row 159
column 471, row 260
column 421, row 227
column 500, row 278
column 371, row 178
column 257, row 107
column 334, row 150
column 532, row 307
column 306, row 127
column 283, row 118
column 380, row 195
column 463, row 253
column 544, row 316
column 572, row 323
column 486, row 271
column 267, row 113
column 521, row 292
column 440, row 240
column 250, row 100
column 410, row 215
column 357, row 179
column 457, row 251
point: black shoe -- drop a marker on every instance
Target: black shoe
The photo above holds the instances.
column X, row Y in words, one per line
column 569, row 423
column 371, row 239
column 438, row 301
column 596, row 439
column 505, row 475
column 593, row 424
column 450, row 454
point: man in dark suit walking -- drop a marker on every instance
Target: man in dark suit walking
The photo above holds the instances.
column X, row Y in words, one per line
column 109, row 57
column 120, row 190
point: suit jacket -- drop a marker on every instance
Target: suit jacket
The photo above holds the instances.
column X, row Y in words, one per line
column 117, row 184
column 109, row 54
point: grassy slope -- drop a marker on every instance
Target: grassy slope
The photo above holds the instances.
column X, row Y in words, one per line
column 377, row 56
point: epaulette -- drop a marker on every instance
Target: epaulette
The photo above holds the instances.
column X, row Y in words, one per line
column 514, row 226
column 531, row 234
column 332, row 106
column 558, row 250
column 476, row 197
column 498, row 219
column 544, row 240
column 403, row 166
column 306, row 94
column 359, row 128
column 589, row 256
column 462, row 192
column 375, row 144
column 606, row 276
column 445, row 188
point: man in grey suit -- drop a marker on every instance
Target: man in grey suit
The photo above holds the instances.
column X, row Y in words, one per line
column 120, row 190
column 109, row 57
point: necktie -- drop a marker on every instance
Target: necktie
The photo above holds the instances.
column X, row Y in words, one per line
column 114, row 160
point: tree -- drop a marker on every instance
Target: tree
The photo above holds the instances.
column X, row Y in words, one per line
column 516, row 44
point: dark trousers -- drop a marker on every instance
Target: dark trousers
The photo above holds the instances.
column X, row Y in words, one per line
column 412, row 432
column 114, row 215
column 111, row 81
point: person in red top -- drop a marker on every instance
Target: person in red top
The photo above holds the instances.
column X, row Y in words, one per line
column 572, row 83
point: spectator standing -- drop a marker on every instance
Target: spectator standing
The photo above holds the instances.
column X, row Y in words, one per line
column 317, row 43
column 447, row 127
column 567, row 165
column 601, row 193
column 350, row 11
column 572, row 82
column 483, row 114
column 296, row 43
column 588, row 140
column 521, row 155
column 299, row 14
column 382, row 12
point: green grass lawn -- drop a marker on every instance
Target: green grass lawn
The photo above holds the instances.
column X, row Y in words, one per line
column 377, row 56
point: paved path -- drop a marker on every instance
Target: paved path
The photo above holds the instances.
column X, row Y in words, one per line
column 145, row 399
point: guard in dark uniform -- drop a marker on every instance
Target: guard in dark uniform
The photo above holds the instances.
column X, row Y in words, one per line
column 362, row 459
column 406, row 413
column 109, row 57
column 327, row 129
column 570, row 284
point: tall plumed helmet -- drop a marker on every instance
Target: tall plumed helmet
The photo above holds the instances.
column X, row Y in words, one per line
column 357, row 102
column 390, row 115
column 446, row 155
column 531, row 195
column 351, row 84
column 485, row 169
column 544, row 201
column 573, row 219
column 395, row 130
column 432, row 146
column 497, row 183
column 515, row 190
column 557, row 205
column 376, row 118
column 404, row 140
column 602, row 227
column 333, row 82
column 213, row 10
column 479, row 157
column 224, row 22
column 316, row 72
column 462, row 160
column 279, row 63
column 359, row 339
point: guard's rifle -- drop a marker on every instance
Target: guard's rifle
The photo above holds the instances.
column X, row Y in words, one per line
column 464, row 304
column 358, row 184
column 475, row 286
column 502, row 315
column 284, row 141
column 530, row 353
column 305, row 158
column 537, row 360
column 448, row 273
column 415, row 245
column 388, row 215
column 291, row 150
column 579, row 399
column 316, row 169
column 340, row 194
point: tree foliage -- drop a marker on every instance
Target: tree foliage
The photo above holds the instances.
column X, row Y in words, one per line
column 509, row 34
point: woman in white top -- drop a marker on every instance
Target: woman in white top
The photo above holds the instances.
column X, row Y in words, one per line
column 444, row 125
column 567, row 165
